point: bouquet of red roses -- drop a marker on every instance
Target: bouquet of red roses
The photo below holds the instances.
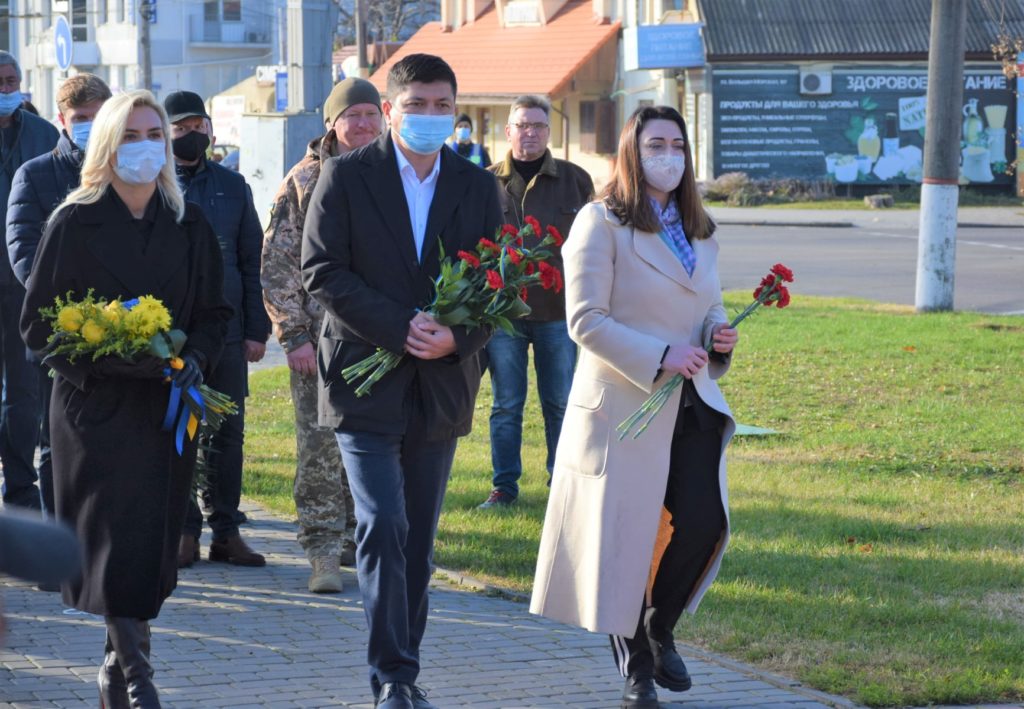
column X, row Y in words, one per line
column 485, row 287
column 771, row 291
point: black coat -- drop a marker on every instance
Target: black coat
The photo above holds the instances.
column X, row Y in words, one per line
column 359, row 261
column 118, row 482
column 40, row 185
column 33, row 136
column 226, row 202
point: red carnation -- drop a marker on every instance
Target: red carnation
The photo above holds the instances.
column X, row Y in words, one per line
column 508, row 229
column 783, row 272
column 469, row 258
column 554, row 233
column 513, row 255
column 534, row 224
column 494, row 280
column 522, row 294
column 550, row 277
column 530, row 268
column 783, row 296
column 488, row 245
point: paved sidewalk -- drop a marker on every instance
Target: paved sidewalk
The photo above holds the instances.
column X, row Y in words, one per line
column 235, row 637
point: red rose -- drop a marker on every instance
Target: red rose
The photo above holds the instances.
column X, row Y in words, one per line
column 553, row 232
column 534, row 224
column 488, row 245
column 469, row 258
column 783, row 272
column 494, row 280
column 513, row 255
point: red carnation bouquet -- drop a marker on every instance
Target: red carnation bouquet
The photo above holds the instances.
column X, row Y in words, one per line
column 770, row 291
column 485, row 287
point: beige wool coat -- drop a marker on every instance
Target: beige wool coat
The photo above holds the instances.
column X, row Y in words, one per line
column 627, row 298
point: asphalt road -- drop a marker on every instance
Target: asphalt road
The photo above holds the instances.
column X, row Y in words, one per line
column 877, row 262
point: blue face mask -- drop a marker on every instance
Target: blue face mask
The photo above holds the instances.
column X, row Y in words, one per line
column 140, row 162
column 9, row 103
column 80, row 134
column 425, row 134
column 462, row 134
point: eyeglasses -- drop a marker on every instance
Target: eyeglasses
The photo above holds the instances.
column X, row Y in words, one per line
column 356, row 117
column 523, row 127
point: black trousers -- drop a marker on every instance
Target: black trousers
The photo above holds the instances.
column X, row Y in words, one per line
column 694, row 500
column 230, row 377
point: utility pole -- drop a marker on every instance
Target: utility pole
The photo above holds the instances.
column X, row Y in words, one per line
column 936, row 245
column 145, row 17
column 364, row 63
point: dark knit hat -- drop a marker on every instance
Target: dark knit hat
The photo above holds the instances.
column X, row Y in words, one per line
column 464, row 118
column 350, row 92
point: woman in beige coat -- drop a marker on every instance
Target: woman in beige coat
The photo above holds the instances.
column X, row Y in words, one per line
column 635, row 529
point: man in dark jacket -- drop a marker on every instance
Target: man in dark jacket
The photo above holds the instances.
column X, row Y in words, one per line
column 39, row 186
column 226, row 201
column 375, row 227
column 23, row 136
column 534, row 183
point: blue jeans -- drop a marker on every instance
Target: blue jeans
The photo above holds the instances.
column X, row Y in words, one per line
column 398, row 483
column 554, row 359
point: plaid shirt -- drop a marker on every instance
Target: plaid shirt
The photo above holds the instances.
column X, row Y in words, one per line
column 673, row 234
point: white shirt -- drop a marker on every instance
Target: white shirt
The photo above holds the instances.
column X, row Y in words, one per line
column 418, row 195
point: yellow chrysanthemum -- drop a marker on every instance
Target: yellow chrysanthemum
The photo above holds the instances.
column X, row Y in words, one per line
column 113, row 312
column 93, row 332
column 148, row 317
column 70, row 319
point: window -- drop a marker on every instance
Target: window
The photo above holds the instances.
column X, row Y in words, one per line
column 79, row 21
column 232, row 10
column 211, row 10
column 5, row 25
column 597, row 127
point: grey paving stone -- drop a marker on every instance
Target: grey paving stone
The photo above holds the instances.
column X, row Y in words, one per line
column 233, row 637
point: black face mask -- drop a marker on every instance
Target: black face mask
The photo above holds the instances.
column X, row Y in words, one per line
column 191, row 146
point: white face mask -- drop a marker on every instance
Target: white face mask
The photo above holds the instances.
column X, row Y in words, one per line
column 663, row 172
column 140, row 162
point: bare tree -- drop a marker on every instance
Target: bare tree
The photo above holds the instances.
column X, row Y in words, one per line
column 386, row 20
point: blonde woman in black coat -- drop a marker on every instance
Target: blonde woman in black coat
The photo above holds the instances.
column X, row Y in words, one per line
column 118, row 480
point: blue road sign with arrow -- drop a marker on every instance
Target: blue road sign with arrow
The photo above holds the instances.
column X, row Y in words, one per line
column 62, row 45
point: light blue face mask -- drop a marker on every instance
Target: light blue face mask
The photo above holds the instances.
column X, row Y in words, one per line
column 9, row 103
column 80, row 134
column 140, row 162
column 425, row 134
column 462, row 134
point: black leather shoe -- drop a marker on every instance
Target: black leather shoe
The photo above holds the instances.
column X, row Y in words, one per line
column 395, row 695
column 639, row 692
column 419, row 699
column 669, row 669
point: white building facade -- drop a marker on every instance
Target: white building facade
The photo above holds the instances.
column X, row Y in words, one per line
column 198, row 45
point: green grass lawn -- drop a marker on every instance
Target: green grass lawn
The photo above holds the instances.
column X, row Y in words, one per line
column 878, row 546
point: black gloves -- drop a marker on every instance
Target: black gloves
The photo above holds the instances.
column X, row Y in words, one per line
column 191, row 374
column 114, row 366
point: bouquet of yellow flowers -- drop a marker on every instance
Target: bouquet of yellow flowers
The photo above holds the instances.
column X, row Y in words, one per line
column 130, row 329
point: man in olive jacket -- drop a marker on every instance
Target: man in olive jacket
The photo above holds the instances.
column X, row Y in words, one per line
column 533, row 183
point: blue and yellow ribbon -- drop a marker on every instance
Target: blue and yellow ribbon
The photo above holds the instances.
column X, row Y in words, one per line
column 183, row 408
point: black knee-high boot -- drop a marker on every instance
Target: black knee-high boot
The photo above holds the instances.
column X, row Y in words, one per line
column 130, row 638
column 111, row 683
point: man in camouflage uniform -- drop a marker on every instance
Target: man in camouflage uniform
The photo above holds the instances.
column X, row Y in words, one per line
column 352, row 116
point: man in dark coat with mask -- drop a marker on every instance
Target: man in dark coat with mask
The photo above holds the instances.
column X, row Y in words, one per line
column 39, row 186
column 23, row 136
column 226, row 201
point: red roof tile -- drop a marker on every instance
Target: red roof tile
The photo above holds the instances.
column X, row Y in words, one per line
column 491, row 60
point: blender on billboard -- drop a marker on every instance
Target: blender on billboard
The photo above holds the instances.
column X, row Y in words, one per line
column 868, row 129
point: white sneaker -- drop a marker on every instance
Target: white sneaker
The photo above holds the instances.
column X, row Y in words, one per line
column 326, row 576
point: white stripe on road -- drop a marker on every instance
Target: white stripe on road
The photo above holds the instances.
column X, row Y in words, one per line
column 959, row 241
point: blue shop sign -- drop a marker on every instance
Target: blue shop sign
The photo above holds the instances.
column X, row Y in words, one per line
column 673, row 46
